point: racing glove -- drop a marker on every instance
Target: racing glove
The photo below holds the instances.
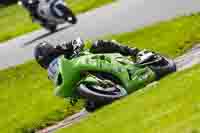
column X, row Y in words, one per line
column 71, row 48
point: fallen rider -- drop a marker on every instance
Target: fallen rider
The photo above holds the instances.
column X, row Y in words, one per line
column 101, row 74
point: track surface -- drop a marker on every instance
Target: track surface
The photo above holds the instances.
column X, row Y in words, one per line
column 121, row 16
column 189, row 59
column 185, row 61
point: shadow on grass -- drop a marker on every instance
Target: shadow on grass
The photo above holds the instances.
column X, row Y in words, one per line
column 45, row 35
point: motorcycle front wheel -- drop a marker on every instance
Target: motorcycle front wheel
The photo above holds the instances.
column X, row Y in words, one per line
column 101, row 94
column 72, row 19
column 68, row 14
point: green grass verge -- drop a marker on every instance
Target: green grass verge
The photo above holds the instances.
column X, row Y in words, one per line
column 171, row 37
column 171, row 106
column 27, row 101
column 15, row 20
column 26, row 95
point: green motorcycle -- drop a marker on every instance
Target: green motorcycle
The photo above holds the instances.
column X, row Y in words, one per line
column 103, row 78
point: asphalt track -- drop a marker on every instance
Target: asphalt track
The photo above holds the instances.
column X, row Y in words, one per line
column 121, row 16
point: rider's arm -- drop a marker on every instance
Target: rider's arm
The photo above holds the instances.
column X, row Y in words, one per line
column 104, row 46
column 66, row 48
column 71, row 48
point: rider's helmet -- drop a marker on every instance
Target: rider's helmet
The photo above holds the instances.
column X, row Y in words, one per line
column 44, row 53
column 147, row 57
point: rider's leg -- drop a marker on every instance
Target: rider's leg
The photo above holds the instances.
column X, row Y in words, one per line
column 105, row 46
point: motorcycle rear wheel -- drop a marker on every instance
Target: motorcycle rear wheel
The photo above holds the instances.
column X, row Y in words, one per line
column 51, row 27
column 161, row 71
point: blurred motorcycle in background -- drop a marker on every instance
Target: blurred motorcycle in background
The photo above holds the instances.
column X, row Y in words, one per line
column 49, row 13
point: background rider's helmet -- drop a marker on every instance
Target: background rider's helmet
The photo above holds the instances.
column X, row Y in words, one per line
column 28, row 2
column 45, row 53
column 33, row 1
column 145, row 57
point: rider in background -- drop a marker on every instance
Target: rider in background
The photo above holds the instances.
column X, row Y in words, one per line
column 56, row 7
column 32, row 7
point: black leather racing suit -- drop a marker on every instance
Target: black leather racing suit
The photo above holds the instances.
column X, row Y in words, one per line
column 32, row 8
column 100, row 46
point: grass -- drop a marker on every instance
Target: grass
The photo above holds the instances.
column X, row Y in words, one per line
column 26, row 95
column 171, row 38
column 27, row 102
column 171, row 106
column 15, row 20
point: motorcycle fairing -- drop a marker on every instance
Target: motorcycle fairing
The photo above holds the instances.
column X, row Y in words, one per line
column 70, row 72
